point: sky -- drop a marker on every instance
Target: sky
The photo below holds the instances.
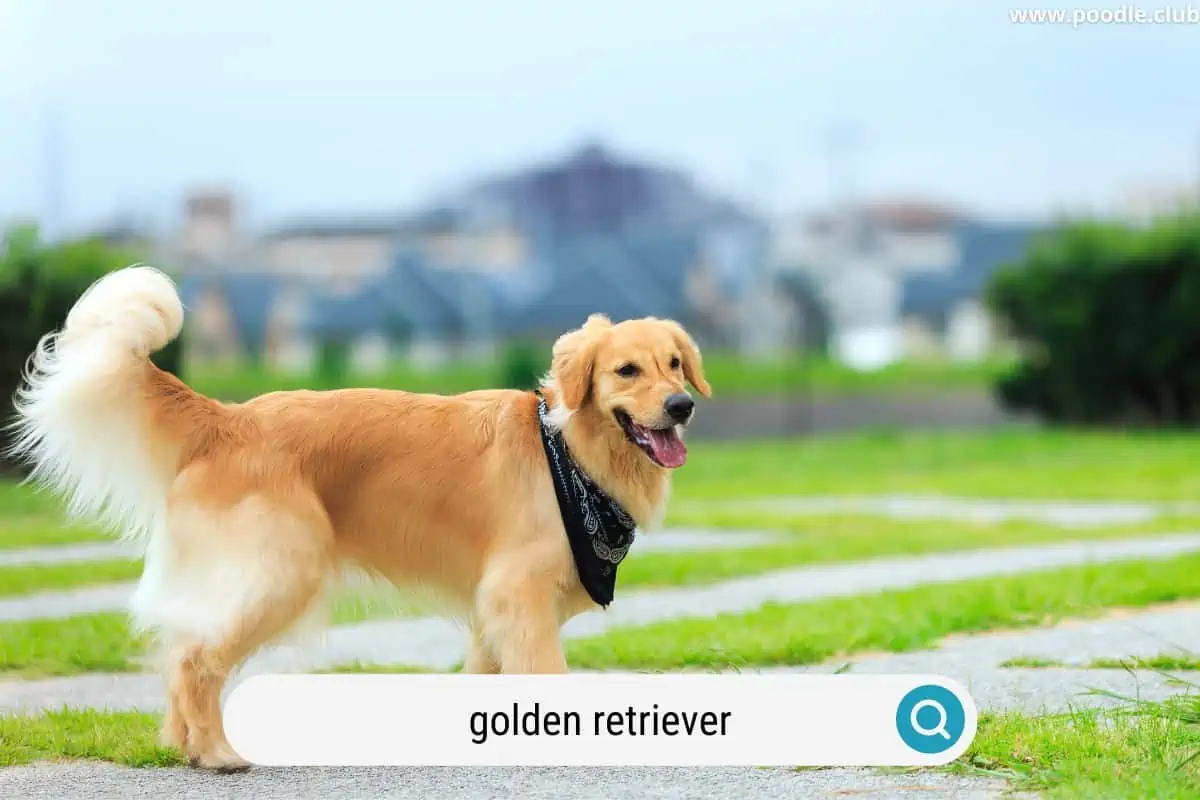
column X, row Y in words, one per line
column 374, row 106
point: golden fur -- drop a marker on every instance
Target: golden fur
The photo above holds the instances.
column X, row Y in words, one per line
column 248, row 509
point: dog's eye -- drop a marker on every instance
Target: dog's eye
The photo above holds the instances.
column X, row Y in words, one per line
column 675, row 362
column 627, row 370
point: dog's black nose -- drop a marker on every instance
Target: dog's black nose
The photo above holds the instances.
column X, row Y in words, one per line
column 679, row 407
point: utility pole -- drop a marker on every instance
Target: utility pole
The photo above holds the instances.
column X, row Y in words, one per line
column 842, row 147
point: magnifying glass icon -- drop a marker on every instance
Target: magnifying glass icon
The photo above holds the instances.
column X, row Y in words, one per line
column 937, row 730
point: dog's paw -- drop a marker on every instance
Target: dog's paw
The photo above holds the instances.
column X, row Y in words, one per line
column 221, row 759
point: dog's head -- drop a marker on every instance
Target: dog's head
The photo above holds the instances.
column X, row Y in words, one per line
column 634, row 376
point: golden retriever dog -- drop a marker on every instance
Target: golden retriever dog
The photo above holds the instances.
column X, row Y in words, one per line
column 247, row 510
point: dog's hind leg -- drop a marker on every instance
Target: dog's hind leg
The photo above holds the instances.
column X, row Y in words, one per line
column 263, row 566
column 201, row 671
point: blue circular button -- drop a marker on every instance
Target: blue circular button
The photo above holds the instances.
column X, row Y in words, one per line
column 930, row 719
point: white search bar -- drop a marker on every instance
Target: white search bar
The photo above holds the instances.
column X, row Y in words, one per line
column 600, row 720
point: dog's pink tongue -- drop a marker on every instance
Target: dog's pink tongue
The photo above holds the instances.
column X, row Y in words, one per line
column 668, row 448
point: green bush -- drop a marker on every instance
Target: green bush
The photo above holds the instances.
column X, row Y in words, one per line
column 522, row 366
column 1107, row 318
column 39, row 282
column 333, row 362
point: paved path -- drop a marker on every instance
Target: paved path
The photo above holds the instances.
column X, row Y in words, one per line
column 1065, row 513
column 792, row 585
column 69, row 554
column 115, row 596
column 67, row 603
column 438, row 644
column 435, row 643
column 975, row 661
column 671, row 539
column 90, row 780
column 971, row 659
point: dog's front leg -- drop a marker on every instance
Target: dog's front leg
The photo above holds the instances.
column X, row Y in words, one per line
column 519, row 622
column 480, row 659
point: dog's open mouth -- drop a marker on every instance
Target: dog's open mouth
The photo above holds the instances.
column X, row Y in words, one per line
column 664, row 446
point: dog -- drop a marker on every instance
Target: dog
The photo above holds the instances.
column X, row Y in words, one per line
column 247, row 511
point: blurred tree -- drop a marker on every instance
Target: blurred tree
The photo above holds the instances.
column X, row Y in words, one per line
column 39, row 282
column 333, row 362
column 523, row 366
column 1107, row 319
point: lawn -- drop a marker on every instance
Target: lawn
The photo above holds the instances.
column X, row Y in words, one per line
column 894, row 621
column 1090, row 754
column 996, row 464
column 30, row 578
column 1011, row 463
column 1055, row 464
column 833, row 538
column 103, row 642
column 729, row 374
column 1163, row 662
column 802, row 633
column 18, row 500
column 803, row 540
column 32, row 518
column 129, row 738
column 44, row 530
column 1141, row 751
column 43, row 648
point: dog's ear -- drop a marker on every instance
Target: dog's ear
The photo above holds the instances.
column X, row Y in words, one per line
column 573, row 359
column 693, row 367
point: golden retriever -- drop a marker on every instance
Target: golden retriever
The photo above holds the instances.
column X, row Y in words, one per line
column 246, row 510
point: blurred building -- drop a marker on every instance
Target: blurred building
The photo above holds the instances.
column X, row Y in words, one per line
column 1146, row 201
column 901, row 280
column 524, row 256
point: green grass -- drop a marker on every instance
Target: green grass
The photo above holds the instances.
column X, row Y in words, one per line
column 57, row 647
column 812, row 540
column 129, row 738
column 17, row 500
column 832, row 538
column 373, row 603
column 1090, row 754
column 104, row 643
column 29, row 518
column 895, row 621
column 1033, row 662
column 29, row 578
column 44, row 530
column 998, row 464
column 729, row 374
column 370, row 668
column 1080, row 755
column 1163, row 662
column 809, row 540
column 44, row 648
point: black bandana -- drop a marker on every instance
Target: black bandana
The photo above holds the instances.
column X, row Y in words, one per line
column 599, row 530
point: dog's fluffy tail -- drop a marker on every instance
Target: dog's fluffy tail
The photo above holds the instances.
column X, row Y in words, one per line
column 85, row 421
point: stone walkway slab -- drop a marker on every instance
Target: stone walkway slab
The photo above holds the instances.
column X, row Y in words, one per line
column 671, row 539
column 1064, row 513
column 115, row 597
column 975, row 661
column 439, row 644
column 69, row 554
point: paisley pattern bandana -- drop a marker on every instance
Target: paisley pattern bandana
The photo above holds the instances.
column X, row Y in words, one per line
column 599, row 530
